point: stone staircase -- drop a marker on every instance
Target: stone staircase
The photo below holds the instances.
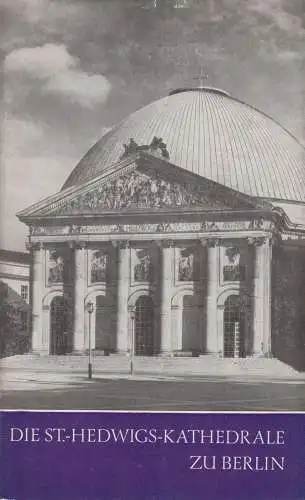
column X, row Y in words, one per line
column 207, row 366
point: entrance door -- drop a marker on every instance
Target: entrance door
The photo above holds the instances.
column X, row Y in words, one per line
column 234, row 335
column 190, row 324
column 144, row 327
column 58, row 326
column 105, row 324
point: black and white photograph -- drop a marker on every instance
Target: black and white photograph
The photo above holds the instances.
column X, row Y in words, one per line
column 153, row 205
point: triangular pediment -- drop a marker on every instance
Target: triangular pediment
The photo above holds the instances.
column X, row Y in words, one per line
column 143, row 184
column 139, row 191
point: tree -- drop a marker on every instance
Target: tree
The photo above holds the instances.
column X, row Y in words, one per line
column 14, row 334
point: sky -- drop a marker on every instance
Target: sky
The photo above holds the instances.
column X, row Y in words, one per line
column 73, row 69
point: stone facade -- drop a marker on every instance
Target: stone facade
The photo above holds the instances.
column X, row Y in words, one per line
column 180, row 267
column 188, row 280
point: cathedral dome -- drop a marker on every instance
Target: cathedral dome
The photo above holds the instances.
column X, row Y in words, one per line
column 211, row 134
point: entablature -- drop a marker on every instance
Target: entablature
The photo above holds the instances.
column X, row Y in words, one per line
column 155, row 228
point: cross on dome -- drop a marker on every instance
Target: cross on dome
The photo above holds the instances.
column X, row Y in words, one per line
column 202, row 77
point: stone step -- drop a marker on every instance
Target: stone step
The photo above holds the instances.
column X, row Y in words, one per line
column 208, row 364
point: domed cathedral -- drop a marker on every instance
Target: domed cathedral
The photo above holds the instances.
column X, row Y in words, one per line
column 184, row 228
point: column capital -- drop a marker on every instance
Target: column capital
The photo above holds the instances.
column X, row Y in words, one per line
column 257, row 242
column 203, row 242
column 212, row 242
column 165, row 243
column 121, row 244
column 37, row 245
column 77, row 245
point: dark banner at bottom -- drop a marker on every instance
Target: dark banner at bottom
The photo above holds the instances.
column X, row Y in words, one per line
column 94, row 456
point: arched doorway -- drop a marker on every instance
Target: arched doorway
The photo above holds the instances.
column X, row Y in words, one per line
column 234, row 328
column 144, row 327
column 105, row 323
column 190, row 324
column 59, row 333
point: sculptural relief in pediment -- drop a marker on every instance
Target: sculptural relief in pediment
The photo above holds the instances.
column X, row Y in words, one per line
column 137, row 190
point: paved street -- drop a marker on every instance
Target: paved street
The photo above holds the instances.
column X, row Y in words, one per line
column 164, row 395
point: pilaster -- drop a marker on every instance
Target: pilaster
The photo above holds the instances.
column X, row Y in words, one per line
column 268, row 300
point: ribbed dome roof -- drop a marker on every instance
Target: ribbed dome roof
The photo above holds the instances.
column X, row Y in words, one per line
column 211, row 134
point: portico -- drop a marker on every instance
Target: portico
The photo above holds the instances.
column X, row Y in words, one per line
column 178, row 285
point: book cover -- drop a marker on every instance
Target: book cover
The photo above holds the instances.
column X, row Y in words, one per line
column 152, row 262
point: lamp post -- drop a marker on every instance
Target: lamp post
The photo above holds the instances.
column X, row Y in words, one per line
column 90, row 308
column 132, row 315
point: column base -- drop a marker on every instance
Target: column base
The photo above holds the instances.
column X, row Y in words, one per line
column 210, row 354
column 166, row 354
column 263, row 352
column 39, row 352
column 187, row 353
column 266, row 355
column 269, row 355
column 121, row 352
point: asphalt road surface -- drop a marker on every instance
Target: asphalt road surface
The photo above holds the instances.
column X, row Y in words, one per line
column 154, row 395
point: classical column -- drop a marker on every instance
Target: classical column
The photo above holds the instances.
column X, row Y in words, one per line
column 37, row 289
column 122, row 296
column 211, row 296
column 261, row 296
column 268, row 301
column 79, row 297
column 166, row 248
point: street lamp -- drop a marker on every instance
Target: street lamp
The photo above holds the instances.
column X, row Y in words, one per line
column 132, row 315
column 90, row 308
